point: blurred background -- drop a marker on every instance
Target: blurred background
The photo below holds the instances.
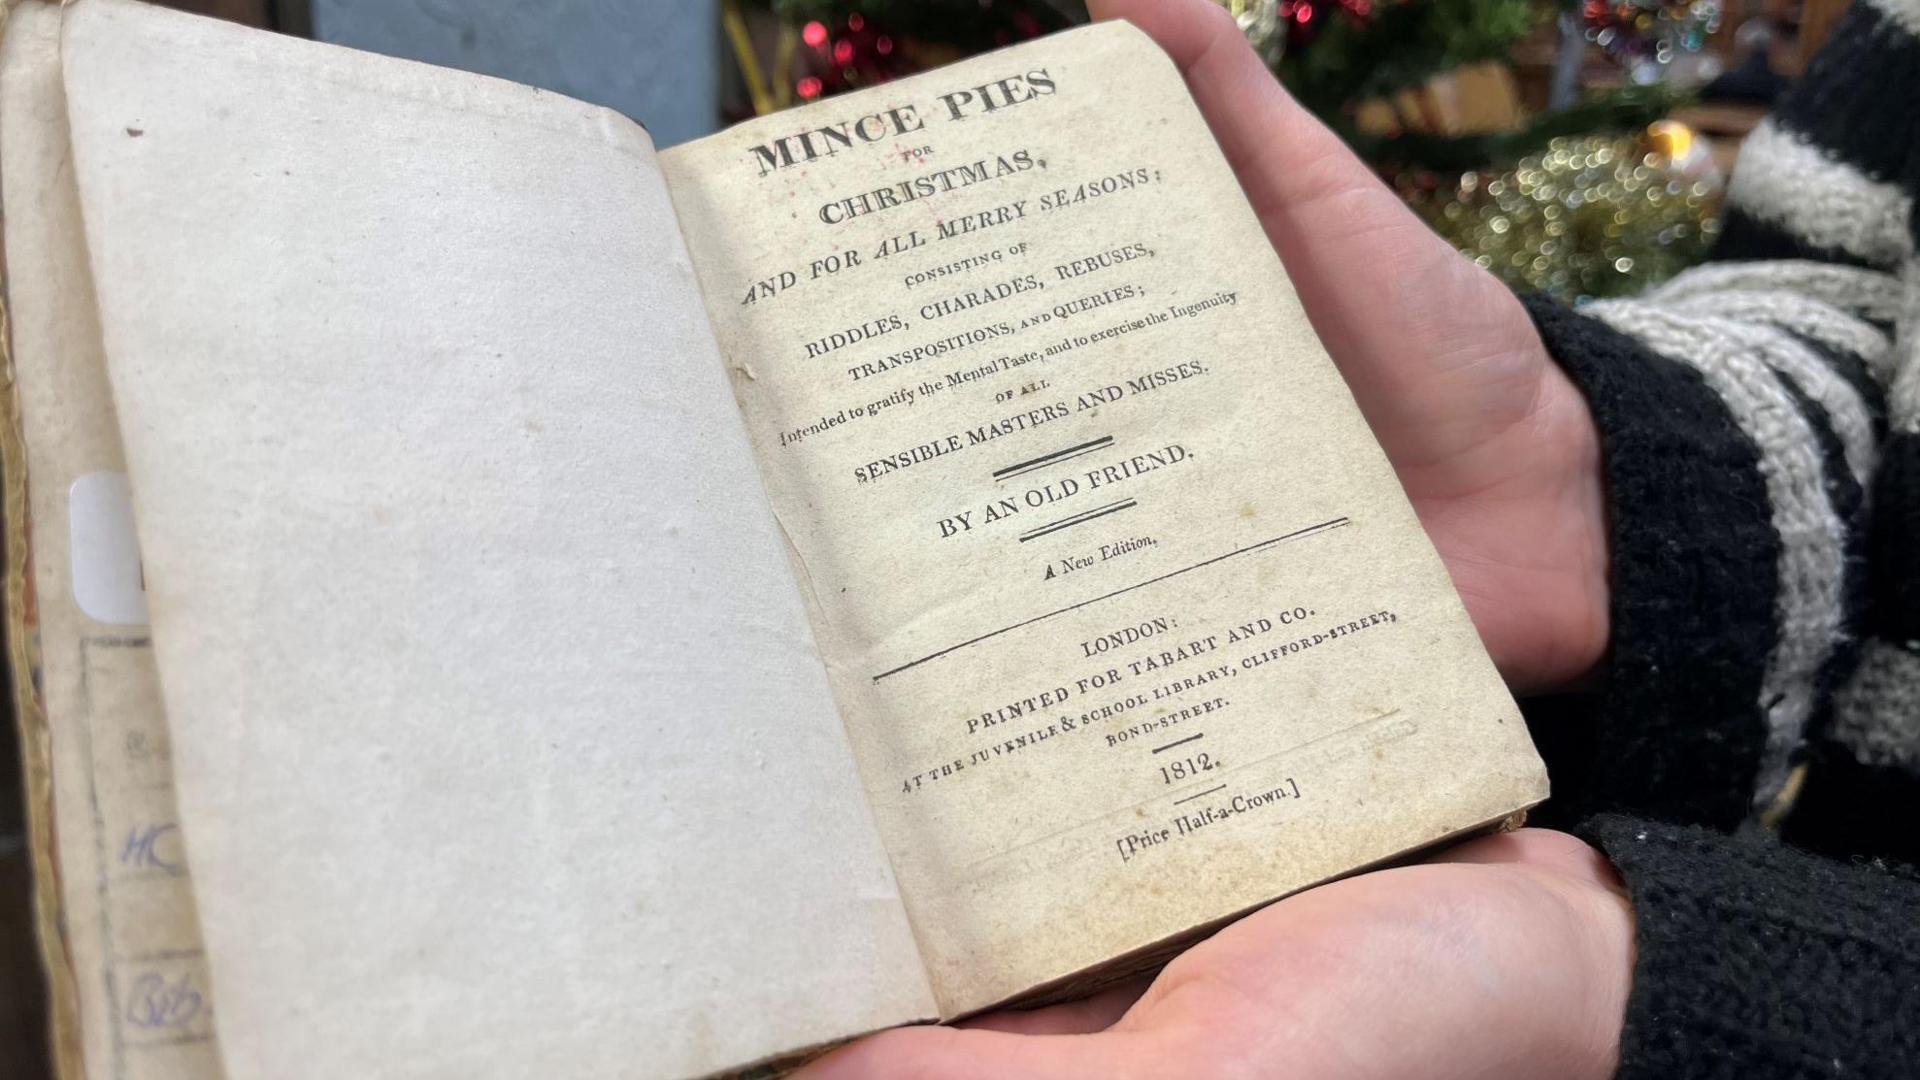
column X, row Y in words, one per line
column 1574, row 146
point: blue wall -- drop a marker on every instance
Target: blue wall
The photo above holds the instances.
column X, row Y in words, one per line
column 655, row 60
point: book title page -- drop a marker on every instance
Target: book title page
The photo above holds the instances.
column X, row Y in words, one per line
column 1130, row 623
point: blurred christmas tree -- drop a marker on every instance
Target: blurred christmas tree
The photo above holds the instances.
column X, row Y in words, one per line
column 1578, row 196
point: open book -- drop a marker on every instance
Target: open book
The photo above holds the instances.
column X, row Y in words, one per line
column 490, row 600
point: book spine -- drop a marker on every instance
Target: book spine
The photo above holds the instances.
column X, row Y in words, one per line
column 22, row 643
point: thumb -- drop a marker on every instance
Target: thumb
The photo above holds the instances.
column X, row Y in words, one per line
column 1424, row 311
column 1540, row 848
column 944, row 1053
column 1285, row 157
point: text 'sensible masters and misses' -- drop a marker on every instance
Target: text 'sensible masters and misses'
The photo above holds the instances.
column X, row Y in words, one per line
column 1129, row 621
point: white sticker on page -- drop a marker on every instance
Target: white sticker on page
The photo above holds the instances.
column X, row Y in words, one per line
column 107, row 580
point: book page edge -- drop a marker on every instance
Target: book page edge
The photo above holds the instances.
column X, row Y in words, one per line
column 30, row 718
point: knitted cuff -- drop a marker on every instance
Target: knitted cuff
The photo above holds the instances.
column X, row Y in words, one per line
column 1863, row 783
column 1679, row 732
column 1759, row 962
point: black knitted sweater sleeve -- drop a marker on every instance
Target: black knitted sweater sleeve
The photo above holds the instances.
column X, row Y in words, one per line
column 1760, row 425
column 1752, row 761
column 1753, row 960
column 1759, row 962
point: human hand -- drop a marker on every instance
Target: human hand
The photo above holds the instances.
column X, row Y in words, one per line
column 1495, row 447
column 1507, row 957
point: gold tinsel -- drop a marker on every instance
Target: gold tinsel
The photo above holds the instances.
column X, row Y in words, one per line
column 1589, row 217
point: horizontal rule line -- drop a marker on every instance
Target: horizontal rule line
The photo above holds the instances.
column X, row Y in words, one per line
column 1049, row 459
column 1079, row 519
column 1045, row 465
column 1199, row 795
column 1297, row 534
column 1180, row 742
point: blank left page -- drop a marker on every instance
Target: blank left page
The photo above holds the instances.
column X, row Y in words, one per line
column 501, row 742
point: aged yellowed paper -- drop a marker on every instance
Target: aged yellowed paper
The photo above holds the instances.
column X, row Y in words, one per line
column 141, row 1002
column 501, row 742
column 1130, row 623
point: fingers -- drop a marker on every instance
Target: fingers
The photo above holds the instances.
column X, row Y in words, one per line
column 944, row 1053
column 1097, row 1013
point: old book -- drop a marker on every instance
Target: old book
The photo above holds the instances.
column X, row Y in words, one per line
column 490, row 599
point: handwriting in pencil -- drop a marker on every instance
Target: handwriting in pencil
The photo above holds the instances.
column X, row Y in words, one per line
column 143, row 848
column 154, row 1002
